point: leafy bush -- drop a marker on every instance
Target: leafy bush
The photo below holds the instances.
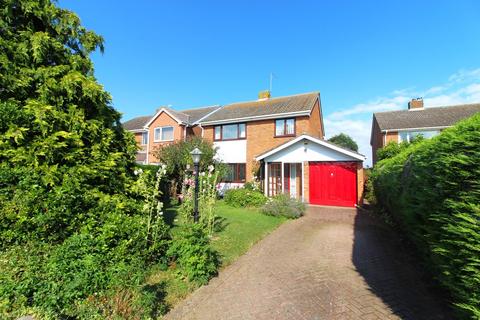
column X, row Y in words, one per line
column 75, row 221
column 285, row 206
column 244, row 197
column 192, row 255
column 432, row 189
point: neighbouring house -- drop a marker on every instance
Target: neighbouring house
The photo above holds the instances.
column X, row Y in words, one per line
column 403, row 125
column 278, row 141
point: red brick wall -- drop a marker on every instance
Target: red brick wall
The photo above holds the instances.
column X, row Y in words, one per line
column 163, row 120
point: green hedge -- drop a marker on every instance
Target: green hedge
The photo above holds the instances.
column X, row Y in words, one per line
column 432, row 189
column 243, row 197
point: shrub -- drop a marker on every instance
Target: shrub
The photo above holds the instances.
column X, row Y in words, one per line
column 285, row 206
column 74, row 221
column 243, row 197
column 432, row 190
column 192, row 255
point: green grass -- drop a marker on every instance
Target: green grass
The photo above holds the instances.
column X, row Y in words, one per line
column 238, row 230
column 243, row 227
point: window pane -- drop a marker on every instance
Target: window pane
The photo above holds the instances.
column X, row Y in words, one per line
column 167, row 133
column 156, row 136
column 290, row 126
column 144, row 138
column 241, row 129
column 241, row 172
column 218, row 133
column 403, row 135
column 229, row 174
column 279, row 127
column 230, row 131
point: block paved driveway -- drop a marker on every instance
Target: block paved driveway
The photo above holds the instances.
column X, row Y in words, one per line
column 334, row 263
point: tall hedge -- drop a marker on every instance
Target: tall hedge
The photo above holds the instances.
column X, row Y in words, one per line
column 72, row 226
column 432, row 189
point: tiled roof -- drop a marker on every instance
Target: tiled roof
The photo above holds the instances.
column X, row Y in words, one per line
column 136, row 123
column 269, row 107
column 186, row 116
column 198, row 113
column 425, row 118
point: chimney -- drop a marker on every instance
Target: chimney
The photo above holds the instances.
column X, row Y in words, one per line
column 415, row 104
column 264, row 95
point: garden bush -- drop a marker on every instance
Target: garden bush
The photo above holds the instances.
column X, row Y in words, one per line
column 75, row 221
column 243, row 197
column 285, row 206
column 192, row 255
column 432, row 190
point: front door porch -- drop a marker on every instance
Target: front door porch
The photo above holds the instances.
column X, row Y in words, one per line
column 284, row 178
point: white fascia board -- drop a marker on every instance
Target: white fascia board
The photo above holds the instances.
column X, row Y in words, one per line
column 138, row 130
column 262, row 117
column 419, row 129
column 315, row 140
column 158, row 114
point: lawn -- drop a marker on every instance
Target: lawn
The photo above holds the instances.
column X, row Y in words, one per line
column 239, row 229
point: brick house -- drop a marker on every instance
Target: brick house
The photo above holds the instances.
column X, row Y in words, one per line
column 278, row 140
column 403, row 125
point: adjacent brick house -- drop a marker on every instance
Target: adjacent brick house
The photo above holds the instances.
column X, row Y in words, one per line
column 278, row 140
column 403, row 125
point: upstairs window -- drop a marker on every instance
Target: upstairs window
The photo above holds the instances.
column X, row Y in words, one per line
column 230, row 132
column 284, row 127
column 408, row 136
column 163, row 134
column 144, row 138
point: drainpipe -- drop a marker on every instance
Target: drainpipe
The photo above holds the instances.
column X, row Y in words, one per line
column 185, row 133
column 148, row 146
column 385, row 138
column 201, row 128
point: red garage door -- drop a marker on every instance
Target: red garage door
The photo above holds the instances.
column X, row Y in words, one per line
column 333, row 183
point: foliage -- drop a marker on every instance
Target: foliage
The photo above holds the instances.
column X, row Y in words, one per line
column 285, row 206
column 244, row 197
column 432, row 189
column 393, row 148
column 207, row 197
column 73, row 221
column 345, row 141
column 176, row 156
column 190, row 249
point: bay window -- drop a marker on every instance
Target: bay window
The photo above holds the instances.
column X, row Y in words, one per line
column 235, row 173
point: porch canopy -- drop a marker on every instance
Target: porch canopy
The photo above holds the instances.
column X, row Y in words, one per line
column 284, row 166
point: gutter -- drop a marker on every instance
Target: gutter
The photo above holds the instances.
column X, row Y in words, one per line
column 262, row 117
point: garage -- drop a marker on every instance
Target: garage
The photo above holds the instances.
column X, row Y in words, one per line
column 333, row 183
column 313, row 170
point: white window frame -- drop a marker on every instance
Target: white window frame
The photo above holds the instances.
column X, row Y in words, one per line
column 410, row 135
column 142, row 141
column 160, row 132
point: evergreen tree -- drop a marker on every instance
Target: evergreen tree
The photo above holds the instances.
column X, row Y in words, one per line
column 59, row 134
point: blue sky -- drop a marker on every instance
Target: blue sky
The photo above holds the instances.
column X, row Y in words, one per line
column 363, row 56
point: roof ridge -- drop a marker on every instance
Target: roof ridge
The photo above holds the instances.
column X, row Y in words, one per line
column 428, row 108
column 274, row 98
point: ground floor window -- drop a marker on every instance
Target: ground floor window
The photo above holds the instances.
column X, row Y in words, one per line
column 274, row 179
column 235, row 173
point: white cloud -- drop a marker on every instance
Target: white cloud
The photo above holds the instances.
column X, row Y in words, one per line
column 461, row 87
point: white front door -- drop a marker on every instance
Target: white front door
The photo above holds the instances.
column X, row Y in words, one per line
column 293, row 180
